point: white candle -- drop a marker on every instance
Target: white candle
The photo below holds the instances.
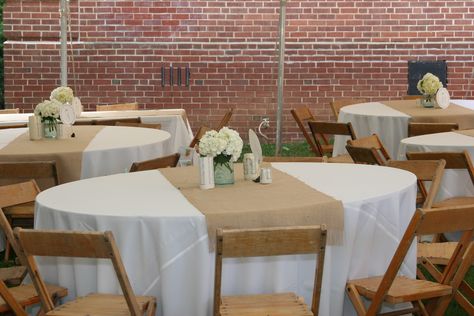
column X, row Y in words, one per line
column 34, row 127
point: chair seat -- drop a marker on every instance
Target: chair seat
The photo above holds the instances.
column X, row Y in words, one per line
column 327, row 148
column 402, row 290
column 27, row 295
column 12, row 276
column 281, row 304
column 99, row 305
column 341, row 159
column 24, row 210
column 455, row 201
column 437, row 253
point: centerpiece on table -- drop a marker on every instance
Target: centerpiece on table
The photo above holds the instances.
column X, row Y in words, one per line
column 225, row 147
column 428, row 86
column 49, row 110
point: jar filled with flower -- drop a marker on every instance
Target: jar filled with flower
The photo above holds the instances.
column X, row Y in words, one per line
column 428, row 86
column 48, row 111
column 225, row 147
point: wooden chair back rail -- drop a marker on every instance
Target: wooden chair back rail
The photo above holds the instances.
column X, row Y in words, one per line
column 72, row 244
column 454, row 160
column 372, row 141
column 412, row 97
column 301, row 116
column 415, row 129
column 162, row 162
column 10, row 111
column 270, row 242
column 424, row 170
column 113, row 122
column 199, row 134
column 13, row 126
column 11, row 301
column 37, row 169
column 84, row 122
column 14, row 194
column 133, row 124
column 225, row 120
column 295, row 159
column 320, row 130
column 363, row 155
column 118, row 107
column 337, row 104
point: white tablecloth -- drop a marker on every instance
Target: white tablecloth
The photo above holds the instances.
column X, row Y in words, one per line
column 173, row 121
column 164, row 244
column 377, row 118
column 112, row 150
column 455, row 182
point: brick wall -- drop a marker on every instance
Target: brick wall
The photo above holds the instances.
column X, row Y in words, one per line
column 338, row 48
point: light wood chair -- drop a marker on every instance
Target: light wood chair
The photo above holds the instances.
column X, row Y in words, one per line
column 82, row 245
column 365, row 156
column 118, row 107
column 22, row 125
column 454, row 160
column 199, row 134
column 302, row 115
column 411, row 97
column 399, row 289
column 320, row 131
column 10, row 111
column 163, row 162
column 45, row 173
column 337, row 104
column 425, row 171
column 372, row 141
column 416, row 129
column 84, row 122
column 114, row 121
column 225, row 120
column 295, row 159
column 143, row 125
column 238, row 243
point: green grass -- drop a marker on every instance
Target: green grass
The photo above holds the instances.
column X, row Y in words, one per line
column 293, row 149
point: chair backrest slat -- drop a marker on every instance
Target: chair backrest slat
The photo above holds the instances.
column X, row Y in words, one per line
column 295, row 159
column 199, row 134
column 114, row 121
column 337, row 104
column 22, row 125
column 320, row 130
column 447, row 219
column 118, row 107
column 415, row 129
column 45, row 173
column 301, row 116
column 225, row 120
column 364, row 155
column 134, row 124
column 10, row 111
column 157, row 163
column 372, row 141
column 19, row 193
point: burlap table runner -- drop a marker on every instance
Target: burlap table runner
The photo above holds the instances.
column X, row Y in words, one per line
column 467, row 132
column 245, row 204
column 453, row 114
column 66, row 152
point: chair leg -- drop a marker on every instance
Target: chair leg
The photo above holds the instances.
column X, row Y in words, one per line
column 356, row 300
column 151, row 309
column 7, row 251
column 421, row 308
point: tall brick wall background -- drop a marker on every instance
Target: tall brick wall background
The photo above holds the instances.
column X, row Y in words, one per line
column 335, row 48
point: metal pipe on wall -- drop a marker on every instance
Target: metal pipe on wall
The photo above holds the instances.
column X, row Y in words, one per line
column 64, row 11
column 281, row 73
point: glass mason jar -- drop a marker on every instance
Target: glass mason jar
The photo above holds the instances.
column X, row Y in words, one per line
column 50, row 128
column 223, row 172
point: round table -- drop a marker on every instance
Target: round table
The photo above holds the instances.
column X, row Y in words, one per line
column 164, row 244
column 388, row 123
column 95, row 151
column 455, row 182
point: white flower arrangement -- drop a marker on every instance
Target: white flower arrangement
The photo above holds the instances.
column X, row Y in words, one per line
column 48, row 110
column 62, row 94
column 429, row 84
column 224, row 146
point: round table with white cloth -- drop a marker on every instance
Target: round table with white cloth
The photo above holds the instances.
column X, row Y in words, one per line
column 454, row 182
column 112, row 150
column 163, row 239
column 377, row 118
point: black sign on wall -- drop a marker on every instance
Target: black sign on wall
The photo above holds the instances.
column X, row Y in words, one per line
column 417, row 69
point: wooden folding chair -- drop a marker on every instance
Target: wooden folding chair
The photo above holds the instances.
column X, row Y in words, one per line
column 199, row 134
column 372, row 141
column 337, row 104
column 365, row 156
column 425, row 171
column 84, row 122
column 82, row 245
column 320, row 130
column 416, row 129
column 454, row 160
column 399, row 289
column 238, row 243
column 118, row 107
column 10, row 111
column 45, row 173
column 225, row 120
column 295, row 159
column 21, row 125
column 163, row 162
column 143, row 125
column 302, row 115
column 411, row 97
column 114, row 121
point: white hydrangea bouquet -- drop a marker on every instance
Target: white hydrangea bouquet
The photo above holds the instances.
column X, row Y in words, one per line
column 62, row 94
column 428, row 86
column 225, row 147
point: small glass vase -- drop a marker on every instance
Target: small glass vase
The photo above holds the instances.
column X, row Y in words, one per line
column 223, row 172
column 50, row 129
column 428, row 101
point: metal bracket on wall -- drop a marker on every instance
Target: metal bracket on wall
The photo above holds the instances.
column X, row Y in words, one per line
column 179, row 76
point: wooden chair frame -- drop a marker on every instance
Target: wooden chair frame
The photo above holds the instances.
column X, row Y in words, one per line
column 424, row 170
column 364, row 155
column 238, row 243
column 425, row 222
column 295, row 159
column 199, row 134
column 225, row 120
column 301, row 116
column 372, row 141
column 10, row 111
column 133, row 106
column 22, row 171
column 416, row 129
column 77, row 245
column 157, row 163
column 114, row 121
column 21, row 125
column 319, row 130
column 337, row 104
column 143, row 125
